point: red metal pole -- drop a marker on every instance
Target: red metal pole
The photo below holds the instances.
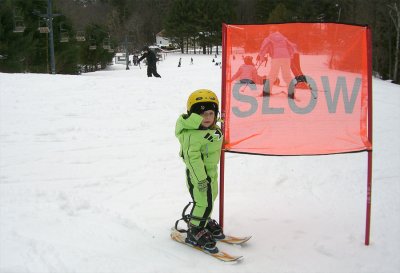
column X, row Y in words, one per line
column 223, row 101
column 369, row 176
column 369, row 191
column 221, row 188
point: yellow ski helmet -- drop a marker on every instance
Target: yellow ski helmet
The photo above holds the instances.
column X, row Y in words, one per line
column 202, row 97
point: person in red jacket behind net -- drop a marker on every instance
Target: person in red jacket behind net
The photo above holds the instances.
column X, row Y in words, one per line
column 247, row 72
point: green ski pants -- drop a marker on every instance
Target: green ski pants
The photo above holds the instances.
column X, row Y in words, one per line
column 203, row 202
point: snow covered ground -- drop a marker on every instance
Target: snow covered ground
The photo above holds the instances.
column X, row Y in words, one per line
column 91, row 182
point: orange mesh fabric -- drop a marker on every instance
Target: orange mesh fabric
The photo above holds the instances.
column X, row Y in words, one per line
column 328, row 75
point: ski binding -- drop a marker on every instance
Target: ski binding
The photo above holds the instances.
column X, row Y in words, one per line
column 220, row 255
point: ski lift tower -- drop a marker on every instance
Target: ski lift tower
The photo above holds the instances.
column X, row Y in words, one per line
column 126, row 42
column 49, row 19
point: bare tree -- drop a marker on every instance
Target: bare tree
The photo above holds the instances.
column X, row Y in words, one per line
column 395, row 16
column 84, row 12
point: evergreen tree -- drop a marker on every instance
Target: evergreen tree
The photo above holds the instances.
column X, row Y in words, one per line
column 280, row 14
column 200, row 19
column 17, row 44
column 28, row 50
column 223, row 12
column 263, row 9
column 180, row 24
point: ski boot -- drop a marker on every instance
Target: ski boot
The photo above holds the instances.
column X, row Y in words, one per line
column 302, row 82
column 215, row 230
column 201, row 237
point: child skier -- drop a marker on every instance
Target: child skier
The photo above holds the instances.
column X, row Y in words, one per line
column 200, row 141
column 247, row 72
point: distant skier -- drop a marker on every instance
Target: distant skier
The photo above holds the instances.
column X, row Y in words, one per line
column 247, row 72
column 201, row 140
column 180, row 62
column 151, row 59
column 135, row 60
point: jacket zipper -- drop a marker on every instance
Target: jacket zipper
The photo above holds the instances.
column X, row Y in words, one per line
column 208, row 131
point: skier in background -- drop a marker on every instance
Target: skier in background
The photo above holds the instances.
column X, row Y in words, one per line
column 247, row 72
column 135, row 60
column 301, row 80
column 200, row 141
column 151, row 59
column 285, row 57
column 281, row 52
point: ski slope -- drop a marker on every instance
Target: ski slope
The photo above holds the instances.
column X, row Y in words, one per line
column 91, row 182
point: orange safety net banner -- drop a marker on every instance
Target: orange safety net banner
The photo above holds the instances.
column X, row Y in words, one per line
column 296, row 88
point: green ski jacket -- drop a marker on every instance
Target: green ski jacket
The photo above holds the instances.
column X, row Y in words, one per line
column 200, row 148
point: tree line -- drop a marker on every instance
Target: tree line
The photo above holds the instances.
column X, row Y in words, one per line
column 120, row 25
column 24, row 40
